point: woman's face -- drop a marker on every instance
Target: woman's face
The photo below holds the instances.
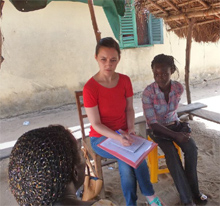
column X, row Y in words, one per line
column 162, row 74
column 107, row 59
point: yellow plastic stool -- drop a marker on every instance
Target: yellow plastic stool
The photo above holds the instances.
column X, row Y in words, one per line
column 153, row 158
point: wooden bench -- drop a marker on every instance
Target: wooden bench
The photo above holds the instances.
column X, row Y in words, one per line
column 189, row 107
column 206, row 114
column 195, row 109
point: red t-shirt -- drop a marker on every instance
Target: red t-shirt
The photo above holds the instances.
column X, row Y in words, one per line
column 111, row 102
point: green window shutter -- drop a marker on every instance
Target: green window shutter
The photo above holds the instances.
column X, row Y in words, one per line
column 128, row 31
column 155, row 26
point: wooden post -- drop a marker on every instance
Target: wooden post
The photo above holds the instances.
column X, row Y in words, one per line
column 94, row 23
column 1, row 58
column 188, row 52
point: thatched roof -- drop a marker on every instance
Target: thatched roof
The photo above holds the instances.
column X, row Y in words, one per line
column 178, row 13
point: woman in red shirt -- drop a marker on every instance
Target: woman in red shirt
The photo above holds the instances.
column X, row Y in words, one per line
column 108, row 100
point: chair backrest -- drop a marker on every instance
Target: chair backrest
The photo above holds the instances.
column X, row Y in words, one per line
column 81, row 111
column 86, row 141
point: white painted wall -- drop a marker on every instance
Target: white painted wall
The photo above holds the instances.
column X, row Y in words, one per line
column 49, row 54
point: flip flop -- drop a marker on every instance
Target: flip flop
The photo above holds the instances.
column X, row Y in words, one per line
column 201, row 199
column 155, row 200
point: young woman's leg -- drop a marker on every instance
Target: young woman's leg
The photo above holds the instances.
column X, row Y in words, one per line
column 176, row 169
column 190, row 151
column 190, row 155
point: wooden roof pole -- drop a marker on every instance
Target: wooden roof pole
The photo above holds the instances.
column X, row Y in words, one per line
column 191, row 14
column 159, row 7
column 94, row 23
column 200, row 23
column 188, row 52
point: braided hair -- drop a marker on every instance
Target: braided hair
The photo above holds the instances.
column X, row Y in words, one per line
column 41, row 165
column 165, row 59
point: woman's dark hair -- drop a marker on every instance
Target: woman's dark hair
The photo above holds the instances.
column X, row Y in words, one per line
column 108, row 42
column 165, row 59
column 41, row 165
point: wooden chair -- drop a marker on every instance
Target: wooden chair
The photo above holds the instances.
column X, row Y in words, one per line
column 97, row 161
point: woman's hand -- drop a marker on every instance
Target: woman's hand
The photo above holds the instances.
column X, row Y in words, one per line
column 126, row 140
column 182, row 137
column 131, row 131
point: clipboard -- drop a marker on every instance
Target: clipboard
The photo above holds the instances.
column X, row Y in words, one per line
column 134, row 159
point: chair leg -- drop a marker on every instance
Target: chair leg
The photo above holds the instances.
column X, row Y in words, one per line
column 98, row 169
column 179, row 150
column 153, row 160
column 102, row 193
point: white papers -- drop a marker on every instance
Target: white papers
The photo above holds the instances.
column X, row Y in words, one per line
column 137, row 143
column 131, row 156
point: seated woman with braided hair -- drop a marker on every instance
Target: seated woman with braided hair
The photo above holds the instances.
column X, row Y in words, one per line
column 46, row 168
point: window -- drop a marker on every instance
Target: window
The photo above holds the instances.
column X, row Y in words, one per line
column 139, row 30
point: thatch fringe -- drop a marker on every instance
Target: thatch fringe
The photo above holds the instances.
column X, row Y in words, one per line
column 209, row 34
column 178, row 13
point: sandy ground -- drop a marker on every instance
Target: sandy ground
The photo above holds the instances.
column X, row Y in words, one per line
column 205, row 133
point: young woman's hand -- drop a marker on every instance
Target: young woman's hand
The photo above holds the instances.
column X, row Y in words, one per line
column 183, row 137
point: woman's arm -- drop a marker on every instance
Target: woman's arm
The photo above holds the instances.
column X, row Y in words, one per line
column 94, row 118
column 159, row 128
column 130, row 115
column 178, row 136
